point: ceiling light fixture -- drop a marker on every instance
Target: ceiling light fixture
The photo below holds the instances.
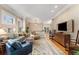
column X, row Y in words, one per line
column 56, row 6
column 52, row 10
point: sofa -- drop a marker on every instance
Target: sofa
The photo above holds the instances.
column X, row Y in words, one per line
column 18, row 47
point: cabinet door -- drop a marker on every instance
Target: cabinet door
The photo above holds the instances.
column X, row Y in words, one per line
column 67, row 41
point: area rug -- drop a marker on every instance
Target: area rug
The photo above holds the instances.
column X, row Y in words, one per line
column 42, row 47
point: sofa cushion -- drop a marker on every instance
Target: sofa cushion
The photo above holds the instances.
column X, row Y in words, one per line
column 21, row 38
column 26, row 44
column 23, row 42
column 16, row 45
column 11, row 41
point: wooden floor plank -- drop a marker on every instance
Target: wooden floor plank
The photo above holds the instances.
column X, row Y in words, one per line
column 59, row 46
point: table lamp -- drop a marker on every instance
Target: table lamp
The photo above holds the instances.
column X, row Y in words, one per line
column 3, row 33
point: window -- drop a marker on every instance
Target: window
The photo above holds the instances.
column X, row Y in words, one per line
column 8, row 20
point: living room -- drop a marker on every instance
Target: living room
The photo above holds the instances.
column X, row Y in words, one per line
column 21, row 35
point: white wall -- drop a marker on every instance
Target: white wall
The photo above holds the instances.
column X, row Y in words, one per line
column 36, row 27
column 34, row 24
column 71, row 13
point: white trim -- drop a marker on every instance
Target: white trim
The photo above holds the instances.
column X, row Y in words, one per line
column 60, row 12
column 10, row 10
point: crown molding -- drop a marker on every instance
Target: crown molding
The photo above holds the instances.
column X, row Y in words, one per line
column 63, row 10
column 10, row 10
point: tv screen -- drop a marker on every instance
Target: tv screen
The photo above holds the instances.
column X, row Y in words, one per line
column 62, row 26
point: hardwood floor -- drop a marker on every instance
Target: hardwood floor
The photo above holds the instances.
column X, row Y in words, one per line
column 44, row 46
column 57, row 45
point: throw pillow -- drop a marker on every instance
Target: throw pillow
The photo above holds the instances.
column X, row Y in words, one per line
column 23, row 42
column 16, row 45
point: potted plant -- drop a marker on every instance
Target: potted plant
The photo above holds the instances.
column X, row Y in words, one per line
column 27, row 29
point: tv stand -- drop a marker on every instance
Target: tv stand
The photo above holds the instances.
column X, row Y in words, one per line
column 61, row 38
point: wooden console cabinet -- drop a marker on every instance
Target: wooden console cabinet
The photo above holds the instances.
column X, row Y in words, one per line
column 62, row 38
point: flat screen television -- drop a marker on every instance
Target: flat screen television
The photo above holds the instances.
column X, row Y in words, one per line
column 62, row 26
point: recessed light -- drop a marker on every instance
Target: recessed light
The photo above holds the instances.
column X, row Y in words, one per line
column 52, row 10
column 56, row 6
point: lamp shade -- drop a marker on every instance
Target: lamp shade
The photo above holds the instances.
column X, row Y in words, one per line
column 2, row 32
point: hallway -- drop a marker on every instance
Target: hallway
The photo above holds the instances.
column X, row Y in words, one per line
column 44, row 47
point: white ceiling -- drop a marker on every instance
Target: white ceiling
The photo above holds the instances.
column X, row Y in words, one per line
column 41, row 11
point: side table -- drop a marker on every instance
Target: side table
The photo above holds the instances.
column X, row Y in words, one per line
column 2, row 48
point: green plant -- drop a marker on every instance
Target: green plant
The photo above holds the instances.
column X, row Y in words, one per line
column 27, row 29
